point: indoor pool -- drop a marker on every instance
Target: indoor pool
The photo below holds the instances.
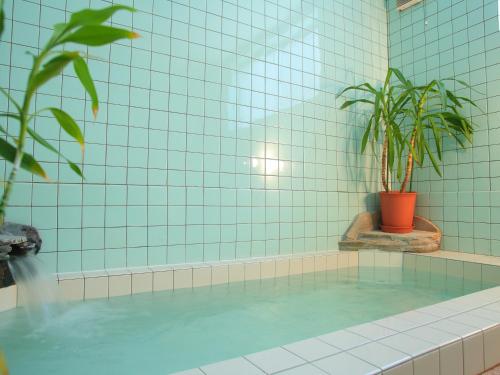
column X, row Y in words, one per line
column 165, row 332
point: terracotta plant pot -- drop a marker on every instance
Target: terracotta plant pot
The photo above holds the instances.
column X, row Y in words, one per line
column 398, row 210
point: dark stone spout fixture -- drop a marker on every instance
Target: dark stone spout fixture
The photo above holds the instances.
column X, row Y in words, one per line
column 16, row 240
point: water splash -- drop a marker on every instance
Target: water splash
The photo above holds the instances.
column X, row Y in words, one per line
column 37, row 289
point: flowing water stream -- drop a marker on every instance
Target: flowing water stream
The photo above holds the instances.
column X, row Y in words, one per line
column 36, row 288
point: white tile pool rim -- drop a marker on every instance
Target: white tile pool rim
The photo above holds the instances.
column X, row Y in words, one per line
column 458, row 336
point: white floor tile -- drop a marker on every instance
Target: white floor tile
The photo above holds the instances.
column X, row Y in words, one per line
column 274, row 360
column 407, row 344
column 236, row 366
column 344, row 339
column 344, row 363
column 379, row 355
column 372, row 331
column 303, row 370
column 433, row 335
column 455, row 328
column 473, row 320
column 312, row 349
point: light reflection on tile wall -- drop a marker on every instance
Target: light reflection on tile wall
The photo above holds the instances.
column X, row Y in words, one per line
column 218, row 135
column 445, row 38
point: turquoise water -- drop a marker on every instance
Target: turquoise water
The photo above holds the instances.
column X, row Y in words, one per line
column 170, row 331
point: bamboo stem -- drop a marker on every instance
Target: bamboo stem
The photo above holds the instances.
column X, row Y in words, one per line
column 384, row 164
column 23, row 129
column 409, row 162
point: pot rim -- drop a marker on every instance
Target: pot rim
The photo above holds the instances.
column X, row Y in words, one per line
column 396, row 192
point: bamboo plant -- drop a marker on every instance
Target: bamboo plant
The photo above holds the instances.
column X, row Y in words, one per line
column 86, row 28
column 387, row 104
column 434, row 111
column 412, row 121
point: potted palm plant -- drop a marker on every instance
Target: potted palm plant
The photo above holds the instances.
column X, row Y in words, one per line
column 410, row 121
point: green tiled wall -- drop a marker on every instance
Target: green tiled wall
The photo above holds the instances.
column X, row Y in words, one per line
column 445, row 38
column 218, row 135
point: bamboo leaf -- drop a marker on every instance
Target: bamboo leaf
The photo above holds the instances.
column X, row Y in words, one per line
column 51, row 69
column 437, row 138
column 11, row 99
column 69, row 125
column 452, row 97
column 348, row 103
column 95, row 16
column 15, row 116
column 38, row 138
column 97, row 35
column 2, row 18
column 75, row 168
column 400, row 76
column 365, row 137
column 433, row 159
column 82, row 72
column 4, row 131
column 442, row 92
column 8, row 152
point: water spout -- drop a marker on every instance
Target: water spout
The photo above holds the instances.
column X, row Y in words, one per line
column 37, row 289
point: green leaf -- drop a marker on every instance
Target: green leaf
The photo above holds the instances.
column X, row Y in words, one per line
column 8, row 152
column 348, row 103
column 82, row 71
column 400, row 76
column 437, row 137
column 38, row 138
column 95, row 16
column 11, row 99
column 433, row 159
column 452, row 97
column 69, row 125
column 2, row 18
column 51, row 69
column 75, row 168
column 365, row 137
column 97, row 35
column 15, row 116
